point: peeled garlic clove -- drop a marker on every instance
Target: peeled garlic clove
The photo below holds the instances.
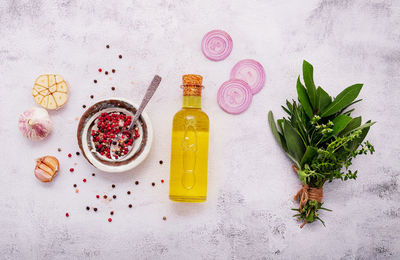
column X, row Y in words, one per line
column 46, row 168
column 43, row 175
column 35, row 123
column 51, row 162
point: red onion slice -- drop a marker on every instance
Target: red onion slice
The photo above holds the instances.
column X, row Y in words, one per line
column 216, row 45
column 250, row 71
column 234, row 96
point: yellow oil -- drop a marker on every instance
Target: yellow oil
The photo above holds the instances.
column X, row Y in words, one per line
column 189, row 152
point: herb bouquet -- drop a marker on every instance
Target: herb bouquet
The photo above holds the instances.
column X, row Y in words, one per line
column 321, row 138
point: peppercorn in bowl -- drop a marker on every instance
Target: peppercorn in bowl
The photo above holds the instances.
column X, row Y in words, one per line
column 105, row 141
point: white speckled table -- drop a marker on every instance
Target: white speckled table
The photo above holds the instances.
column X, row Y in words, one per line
column 251, row 184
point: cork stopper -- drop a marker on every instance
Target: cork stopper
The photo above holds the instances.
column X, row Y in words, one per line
column 192, row 85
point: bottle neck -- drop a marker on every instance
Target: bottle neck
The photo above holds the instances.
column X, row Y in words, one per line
column 191, row 102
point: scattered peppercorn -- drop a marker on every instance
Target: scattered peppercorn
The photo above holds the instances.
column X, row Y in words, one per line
column 71, row 169
column 161, row 162
column 137, row 182
column 129, row 193
column 84, row 106
column 113, row 70
column 95, row 81
column 87, row 208
column 120, row 56
column 91, row 96
column 100, row 69
column 164, row 218
column 105, row 196
column 78, row 153
column 95, row 209
column 112, row 213
column 153, row 184
column 106, row 72
column 75, row 185
column 84, row 180
column 130, row 205
column 67, row 214
column 113, row 186
column 76, row 191
column 69, row 155
column 97, row 196
column 110, row 219
column 93, row 174
column 162, row 181
column 59, row 149
column 114, row 196
column 107, row 46
column 112, row 88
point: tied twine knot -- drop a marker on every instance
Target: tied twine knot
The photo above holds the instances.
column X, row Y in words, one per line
column 307, row 193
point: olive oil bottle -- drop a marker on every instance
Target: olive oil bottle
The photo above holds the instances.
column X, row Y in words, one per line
column 189, row 149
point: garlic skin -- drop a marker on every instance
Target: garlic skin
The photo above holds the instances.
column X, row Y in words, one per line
column 35, row 123
column 46, row 168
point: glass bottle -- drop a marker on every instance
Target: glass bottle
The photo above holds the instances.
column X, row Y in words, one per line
column 189, row 149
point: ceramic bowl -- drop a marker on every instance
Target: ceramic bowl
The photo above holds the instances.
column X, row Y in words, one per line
column 141, row 146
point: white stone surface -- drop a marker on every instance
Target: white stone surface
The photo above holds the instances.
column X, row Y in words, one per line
column 247, row 215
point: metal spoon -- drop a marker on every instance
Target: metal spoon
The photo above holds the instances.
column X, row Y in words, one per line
column 149, row 94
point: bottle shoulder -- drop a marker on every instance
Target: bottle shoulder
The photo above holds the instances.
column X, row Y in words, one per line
column 188, row 112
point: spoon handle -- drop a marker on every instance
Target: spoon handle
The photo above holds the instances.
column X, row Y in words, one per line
column 149, row 93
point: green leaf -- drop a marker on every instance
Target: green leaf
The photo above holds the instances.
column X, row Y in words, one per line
column 339, row 123
column 286, row 110
column 367, row 124
column 303, row 98
column 279, row 138
column 280, row 124
column 353, row 145
column 289, row 106
column 309, row 82
column 353, row 124
column 310, row 153
column 324, row 100
column 352, row 103
column 344, row 99
column 323, row 223
column 293, row 141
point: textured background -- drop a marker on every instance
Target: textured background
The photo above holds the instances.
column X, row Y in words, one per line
column 247, row 215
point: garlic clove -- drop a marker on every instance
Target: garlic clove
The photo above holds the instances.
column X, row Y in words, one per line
column 62, row 87
column 42, row 175
column 46, row 168
column 42, row 80
column 44, row 102
column 38, row 98
column 51, row 162
column 52, row 103
column 52, row 80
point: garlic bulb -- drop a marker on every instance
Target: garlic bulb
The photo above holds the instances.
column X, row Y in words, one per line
column 46, row 168
column 35, row 123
